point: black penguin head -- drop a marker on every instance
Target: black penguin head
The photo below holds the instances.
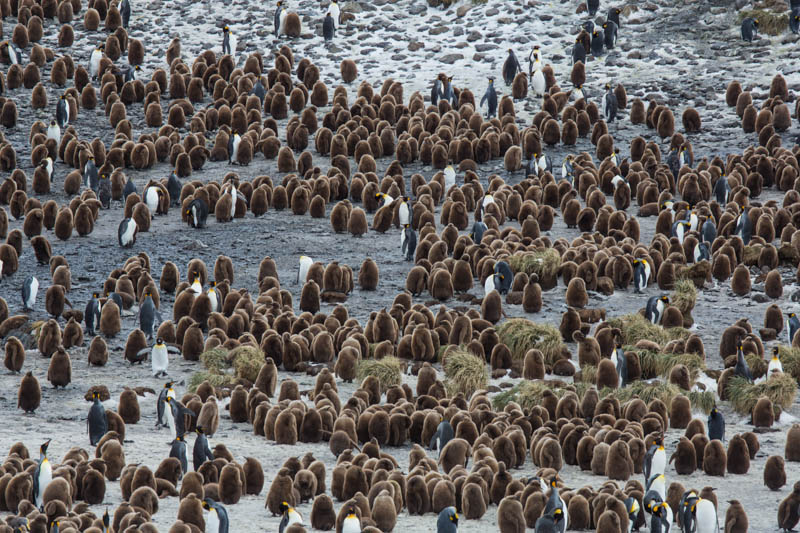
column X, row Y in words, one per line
column 226, row 29
column 179, row 438
column 713, row 411
column 103, row 176
column 159, row 340
column 776, row 352
column 106, row 520
column 199, row 430
column 491, row 80
column 665, row 299
column 605, row 25
column 553, row 481
column 755, row 23
column 284, row 507
column 608, row 85
column 558, row 515
column 454, row 517
column 791, row 315
column 52, row 122
column 102, row 47
column 43, row 447
column 169, row 384
column 206, row 505
column 617, row 10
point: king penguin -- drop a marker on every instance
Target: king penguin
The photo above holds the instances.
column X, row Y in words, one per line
column 641, row 274
column 716, row 425
column 174, row 189
column 744, row 228
column 229, row 43
column 277, row 16
column 449, row 177
column 198, row 213
column 655, row 460
column 404, row 211
column 302, row 269
column 504, row 277
column 655, row 491
column 14, row 53
column 336, row 13
column 217, row 517
column 478, row 229
column 742, row 368
column 511, row 67
column 148, row 314
column 556, row 503
column 91, row 314
column 792, row 325
column 54, row 130
column 610, row 104
column 30, row 287
column 196, row 287
column 775, row 365
column 722, row 190
column 328, row 27
column 701, row 252
column 447, row 521
column 161, row 402
column 212, row 296
column 42, row 476
column 151, row 198
column 175, row 416
column 632, row 506
column 233, row 152
column 680, row 229
column 201, row 452
column 598, row 41
column 159, row 357
column 96, row 422
column 709, row 230
column 705, row 516
column 94, row 61
column 661, row 521
column 444, row 433
column 290, row 516
column 62, row 112
column 178, row 451
column 125, row 11
column 490, row 98
column 408, row 242
column 91, row 178
column 592, row 6
column 655, row 308
column 621, row 364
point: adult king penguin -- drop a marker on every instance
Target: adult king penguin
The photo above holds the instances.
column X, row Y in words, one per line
column 277, row 16
column 404, row 211
column 125, row 11
column 14, row 53
column 161, row 402
column 641, row 274
column 159, row 357
column 30, row 287
column 444, row 434
column 91, row 177
column 705, row 516
column 655, row 460
column 742, row 369
column 775, row 365
column 62, row 111
column 792, row 325
column 94, row 61
column 302, row 269
column 621, row 364
column 229, row 43
column 201, row 452
column 556, row 503
column 290, row 516
column 511, row 67
column 610, row 105
column 408, row 242
column 503, row 277
column 655, row 308
column 328, row 27
column 744, row 227
column 233, row 153
column 148, row 315
column 716, row 425
column 96, row 422
column 175, row 416
column 91, row 314
column 198, row 213
column 217, row 517
column 54, row 131
column 722, row 190
column 336, row 13
column 447, row 521
column 490, row 98
column 42, row 476
column 178, row 451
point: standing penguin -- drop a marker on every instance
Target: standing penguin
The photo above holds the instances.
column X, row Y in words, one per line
column 742, row 369
column 228, row 43
column 749, row 29
column 125, row 11
column 30, row 287
column 198, row 213
column 201, row 452
column 655, row 460
column 716, row 425
column 328, row 27
column 610, row 34
column 212, row 296
column 610, row 104
column 152, row 198
column 641, row 274
column 538, row 82
column 722, row 190
column 478, row 229
column 302, row 269
column 161, row 402
column 775, row 365
column 14, row 53
column 96, row 422
column 54, row 131
column 175, row 416
column 490, row 97
column 705, row 516
column 42, row 476
column 592, row 6
column 598, row 40
column 408, row 244
column 511, row 67
column 336, row 13
column 148, row 314
column 448, row 93
column 277, row 16
column 701, row 252
column 290, row 516
column 447, row 521
column 94, row 61
column 404, row 211
column 632, row 506
column 792, row 325
column 444, row 433
column 159, row 357
column 794, row 21
column 91, row 314
column 91, row 178
column 62, row 112
column 556, row 503
column 174, row 189
column 709, row 230
column 504, row 277
column 655, row 308
column 578, row 52
column 217, row 517
column 621, row 364
column 178, row 450
column 233, row 153
column 680, row 229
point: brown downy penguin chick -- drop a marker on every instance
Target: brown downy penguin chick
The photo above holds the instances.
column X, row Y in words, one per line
column 29, row 395
column 492, row 307
column 267, row 378
column 609, row 522
column 685, row 457
column 714, row 459
column 323, row 516
column 368, row 275
column 384, row 512
column 128, row 407
column 738, row 455
column 606, row 375
column 680, row 412
column 774, row 472
column 55, row 298
column 736, row 518
column 286, row 428
column 230, row 484
column 281, row 490
column 576, row 293
column 763, row 413
column 59, row 373
column 309, row 297
column 15, row 354
column 110, row 319
column 619, row 465
column 98, row 352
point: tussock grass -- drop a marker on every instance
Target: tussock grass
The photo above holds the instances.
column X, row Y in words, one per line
column 769, row 22
column 684, row 297
column 215, row 360
column 388, row 370
column 697, row 273
column 465, row 373
column 215, row 380
column 588, row 374
column 521, row 335
column 247, row 361
column 544, row 263
column 790, row 359
column 656, row 364
column 636, row 327
column 780, row 389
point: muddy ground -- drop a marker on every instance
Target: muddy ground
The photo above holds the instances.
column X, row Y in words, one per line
column 681, row 53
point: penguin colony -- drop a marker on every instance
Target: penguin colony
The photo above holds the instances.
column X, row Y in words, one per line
column 471, row 242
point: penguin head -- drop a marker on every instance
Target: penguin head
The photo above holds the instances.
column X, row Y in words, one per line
column 52, row 122
column 159, row 341
column 605, row 25
column 168, row 399
column 454, row 517
column 199, row 430
column 776, row 353
column 755, row 23
column 595, row 33
column 636, row 261
column 285, row 507
column 213, row 284
column 740, row 346
column 102, row 47
column 713, row 411
column 491, row 80
column 665, row 299
column 95, row 295
column 43, row 447
column 106, row 519
column 553, row 481
column 179, row 438
column 558, row 515
column 206, row 504
column 791, row 315
column 280, row 3
column 608, row 84
column 169, row 384
column 378, row 195
column 103, row 176
column 226, row 29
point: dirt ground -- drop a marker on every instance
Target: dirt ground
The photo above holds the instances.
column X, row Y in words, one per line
column 682, row 53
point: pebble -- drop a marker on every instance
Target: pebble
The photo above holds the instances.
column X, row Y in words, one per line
column 449, row 59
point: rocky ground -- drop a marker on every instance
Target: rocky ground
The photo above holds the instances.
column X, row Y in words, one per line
column 682, row 53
